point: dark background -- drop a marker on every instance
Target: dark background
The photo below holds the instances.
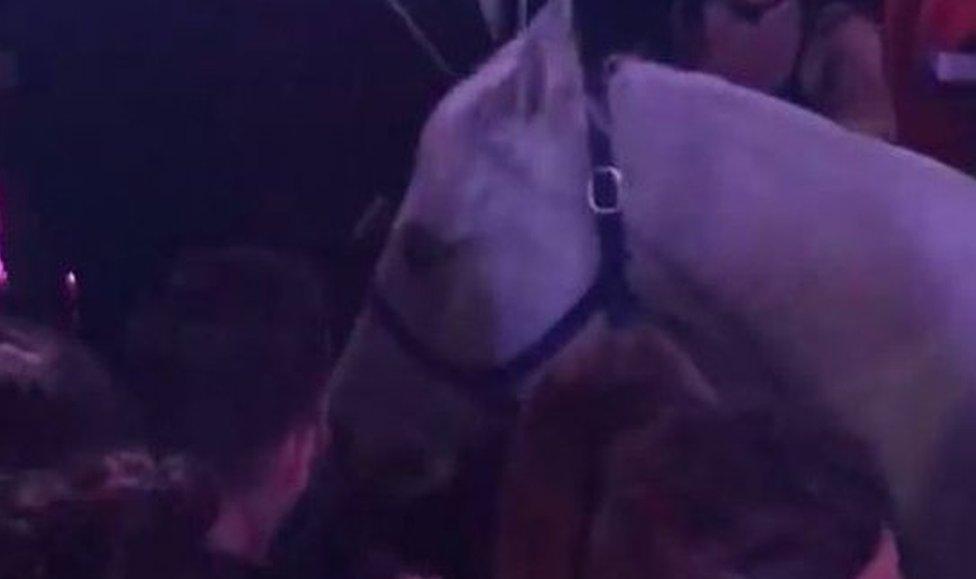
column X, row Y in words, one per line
column 142, row 127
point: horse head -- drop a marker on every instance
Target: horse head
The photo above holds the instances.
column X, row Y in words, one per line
column 494, row 241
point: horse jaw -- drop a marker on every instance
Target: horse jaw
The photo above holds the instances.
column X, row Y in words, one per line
column 497, row 214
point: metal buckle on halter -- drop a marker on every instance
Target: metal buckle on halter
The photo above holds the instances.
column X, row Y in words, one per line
column 603, row 192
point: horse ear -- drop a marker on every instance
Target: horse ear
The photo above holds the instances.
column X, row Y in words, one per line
column 536, row 71
column 519, row 87
column 536, row 76
column 553, row 63
column 533, row 82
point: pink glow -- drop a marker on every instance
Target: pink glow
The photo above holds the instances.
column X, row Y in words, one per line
column 885, row 563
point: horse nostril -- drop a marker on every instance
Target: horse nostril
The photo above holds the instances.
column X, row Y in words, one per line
column 612, row 64
column 407, row 462
column 421, row 248
column 386, row 463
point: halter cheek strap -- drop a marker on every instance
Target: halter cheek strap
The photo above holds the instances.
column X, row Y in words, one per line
column 610, row 292
column 605, row 189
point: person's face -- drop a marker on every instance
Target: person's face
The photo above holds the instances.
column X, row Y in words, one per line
column 716, row 37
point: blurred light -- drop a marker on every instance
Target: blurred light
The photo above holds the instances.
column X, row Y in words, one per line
column 71, row 285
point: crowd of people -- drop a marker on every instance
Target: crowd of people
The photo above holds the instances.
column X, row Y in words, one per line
column 189, row 472
column 189, row 459
column 184, row 431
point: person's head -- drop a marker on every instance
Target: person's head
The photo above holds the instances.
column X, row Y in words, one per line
column 629, row 455
column 115, row 514
column 72, row 504
column 766, row 494
column 56, row 399
column 229, row 362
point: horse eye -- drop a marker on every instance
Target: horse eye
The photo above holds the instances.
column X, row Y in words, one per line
column 422, row 249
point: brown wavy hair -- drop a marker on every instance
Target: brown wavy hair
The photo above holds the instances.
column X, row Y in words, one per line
column 630, row 462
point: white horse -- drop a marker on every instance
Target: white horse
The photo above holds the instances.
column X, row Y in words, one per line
column 853, row 258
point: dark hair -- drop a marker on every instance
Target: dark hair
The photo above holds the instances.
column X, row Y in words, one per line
column 645, row 27
column 230, row 354
column 606, row 27
column 56, row 399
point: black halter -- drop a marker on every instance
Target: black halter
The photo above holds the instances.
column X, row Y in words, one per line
column 610, row 293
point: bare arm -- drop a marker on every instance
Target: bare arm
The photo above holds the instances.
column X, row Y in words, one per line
column 843, row 74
